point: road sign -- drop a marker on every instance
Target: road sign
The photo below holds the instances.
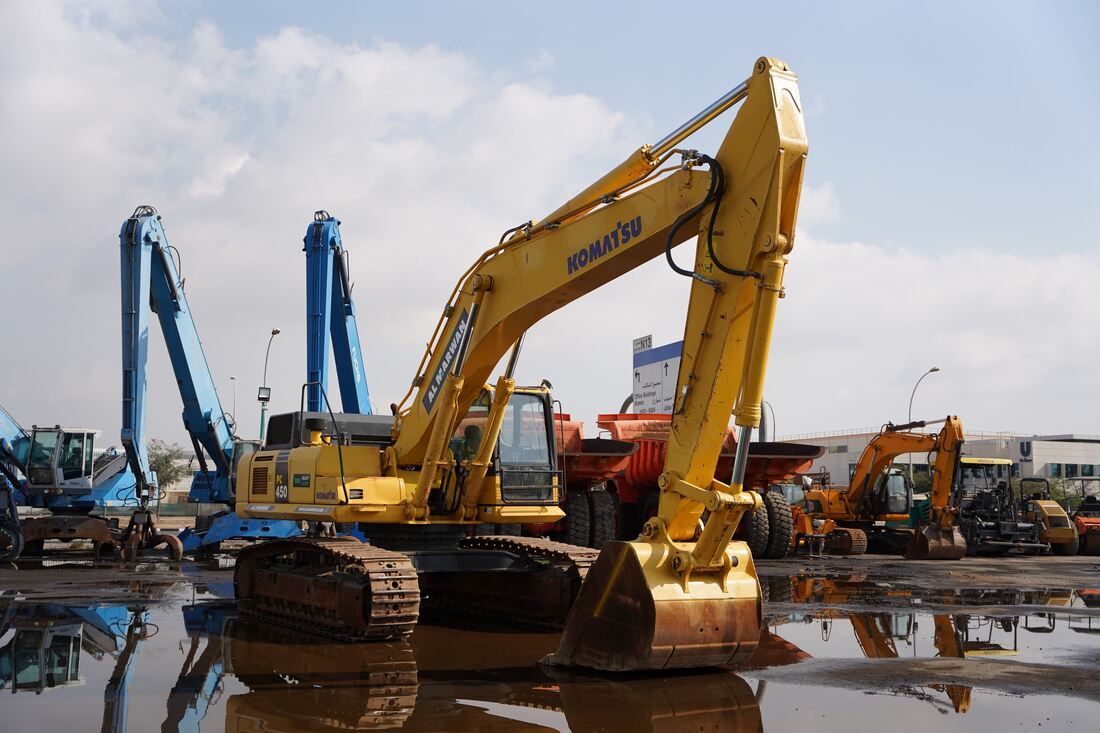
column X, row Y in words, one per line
column 655, row 370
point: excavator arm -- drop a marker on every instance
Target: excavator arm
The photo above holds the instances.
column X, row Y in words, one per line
column 899, row 440
column 741, row 204
column 941, row 539
column 878, row 456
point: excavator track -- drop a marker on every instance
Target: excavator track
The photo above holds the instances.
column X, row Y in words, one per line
column 537, row 595
column 340, row 588
column 535, row 548
column 849, row 541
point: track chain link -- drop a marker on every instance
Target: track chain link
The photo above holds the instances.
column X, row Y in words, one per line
column 391, row 583
column 538, row 549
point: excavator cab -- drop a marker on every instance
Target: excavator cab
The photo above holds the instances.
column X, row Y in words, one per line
column 524, row 458
column 60, row 460
column 42, row 653
column 894, row 493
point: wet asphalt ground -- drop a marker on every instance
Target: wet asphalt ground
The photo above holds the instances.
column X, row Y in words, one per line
column 873, row 643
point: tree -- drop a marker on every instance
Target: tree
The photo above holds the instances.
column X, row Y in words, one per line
column 167, row 461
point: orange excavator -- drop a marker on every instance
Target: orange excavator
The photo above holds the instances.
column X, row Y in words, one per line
column 460, row 452
column 878, row 502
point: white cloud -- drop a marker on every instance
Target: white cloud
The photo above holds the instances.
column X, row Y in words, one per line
column 1013, row 337
column 818, row 205
column 219, row 173
column 426, row 157
column 540, row 63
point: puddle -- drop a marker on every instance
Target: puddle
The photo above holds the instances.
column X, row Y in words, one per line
column 186, row 661
column 858, row 591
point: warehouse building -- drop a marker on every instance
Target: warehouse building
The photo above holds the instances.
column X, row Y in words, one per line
column 1065, row 456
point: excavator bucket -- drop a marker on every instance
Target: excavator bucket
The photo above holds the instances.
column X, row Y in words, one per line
column 634, row 612
column 933, row 543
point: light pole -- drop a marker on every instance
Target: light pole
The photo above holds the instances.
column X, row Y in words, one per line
column 233, row 381
column 264, row 395
column 933, row 369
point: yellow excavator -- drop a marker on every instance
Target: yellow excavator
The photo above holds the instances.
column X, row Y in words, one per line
column 879, row 502
column 460, row 454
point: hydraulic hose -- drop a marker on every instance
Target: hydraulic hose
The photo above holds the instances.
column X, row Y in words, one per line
column 714, row 194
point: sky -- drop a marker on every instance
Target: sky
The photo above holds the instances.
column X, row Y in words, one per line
column 948, row 217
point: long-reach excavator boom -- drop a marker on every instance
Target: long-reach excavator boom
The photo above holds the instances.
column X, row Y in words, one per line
column 151, row 283
column 681, row 595
column 330, row 319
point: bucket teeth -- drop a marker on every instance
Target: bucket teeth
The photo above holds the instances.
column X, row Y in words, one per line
column 634, row 613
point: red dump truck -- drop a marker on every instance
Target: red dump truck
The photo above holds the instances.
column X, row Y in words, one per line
column 612, row 481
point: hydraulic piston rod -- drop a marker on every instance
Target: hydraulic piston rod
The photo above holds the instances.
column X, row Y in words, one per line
column 720, row 105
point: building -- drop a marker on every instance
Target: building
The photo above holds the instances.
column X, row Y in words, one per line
column 1067, row 456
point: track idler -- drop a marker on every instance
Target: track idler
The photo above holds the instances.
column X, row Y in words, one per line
column 933, row 543
column 634, row 612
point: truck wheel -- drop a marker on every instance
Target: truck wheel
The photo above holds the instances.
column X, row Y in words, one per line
column 780, row 524
column 604, row 513
column 757, row 535
column 578, row 519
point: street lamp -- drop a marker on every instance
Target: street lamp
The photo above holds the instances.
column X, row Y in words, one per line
column 264, row 395
column 233, row 381
column 933, row 369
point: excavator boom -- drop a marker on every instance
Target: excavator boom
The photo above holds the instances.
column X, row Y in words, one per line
column 940, row 538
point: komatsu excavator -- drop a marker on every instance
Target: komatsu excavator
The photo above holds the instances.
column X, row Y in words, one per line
column 459, row 452
column 878, row 502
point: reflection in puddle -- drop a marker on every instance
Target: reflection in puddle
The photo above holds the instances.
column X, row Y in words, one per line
column 285, row 680
column 853, row 590
column 201, row 667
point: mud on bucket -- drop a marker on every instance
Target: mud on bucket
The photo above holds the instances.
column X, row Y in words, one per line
column 932, row 543
column 633, row 613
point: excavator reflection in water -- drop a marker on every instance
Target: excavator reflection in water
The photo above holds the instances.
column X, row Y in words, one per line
column 878, row 633
column 299, row 682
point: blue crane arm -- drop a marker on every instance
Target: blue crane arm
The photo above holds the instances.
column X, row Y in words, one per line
column 15, row 443
column 116, row 695
column 150, row 281
column 330, row 318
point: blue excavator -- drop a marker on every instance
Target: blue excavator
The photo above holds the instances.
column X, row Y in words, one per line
column 58, row 472
column 151, row 282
